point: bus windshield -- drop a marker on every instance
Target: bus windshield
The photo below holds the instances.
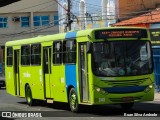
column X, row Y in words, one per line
column 122, row 58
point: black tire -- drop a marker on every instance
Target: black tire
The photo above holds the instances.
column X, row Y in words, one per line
column 127, row 106
column 73, row 101
column 28, row 95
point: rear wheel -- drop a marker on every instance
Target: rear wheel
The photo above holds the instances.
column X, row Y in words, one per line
column 73, row 101
column 127, row 106
column 28, row 95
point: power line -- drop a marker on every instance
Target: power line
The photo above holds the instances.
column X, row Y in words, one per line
column 34, row 11
column 69, row 21
column 32, row 30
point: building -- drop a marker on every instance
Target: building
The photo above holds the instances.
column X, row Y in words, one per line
column 131, row 8
column 27, row 18
column 86, row 14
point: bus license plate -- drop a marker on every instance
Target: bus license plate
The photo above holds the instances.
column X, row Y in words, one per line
column 128, row 99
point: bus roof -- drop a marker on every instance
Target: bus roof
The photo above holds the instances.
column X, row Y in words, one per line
column 60, row 36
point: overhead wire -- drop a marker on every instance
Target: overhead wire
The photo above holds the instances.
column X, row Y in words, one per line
column 59, row 16
column 34, row 29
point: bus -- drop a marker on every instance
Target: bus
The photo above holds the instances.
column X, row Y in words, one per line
column 99, row 66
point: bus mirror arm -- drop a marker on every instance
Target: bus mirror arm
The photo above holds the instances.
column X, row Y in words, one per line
column 89, row 48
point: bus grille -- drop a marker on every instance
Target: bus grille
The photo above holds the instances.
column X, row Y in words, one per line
column 118, row 83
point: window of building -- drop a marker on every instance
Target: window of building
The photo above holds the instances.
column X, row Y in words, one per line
column 57, row 52
column 56, row 22
column 25, row 55
column 9, row 56
column 3, row 22
column 36, row 54
column 25, row 21
column 41, row 20
column 69, row 48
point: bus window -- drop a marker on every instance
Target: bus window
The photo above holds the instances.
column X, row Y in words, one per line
column 25, row 55
column 36, row 54
column 9, row 56
column 69, row 48
column 124, row 58
column 57, row 52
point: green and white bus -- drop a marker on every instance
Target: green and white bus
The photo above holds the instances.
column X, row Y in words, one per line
column 91, row 67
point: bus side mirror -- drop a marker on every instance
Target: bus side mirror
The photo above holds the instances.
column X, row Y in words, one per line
column 89, row 47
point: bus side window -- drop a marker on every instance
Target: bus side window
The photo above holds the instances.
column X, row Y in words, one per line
column 69, row 48
column 36, row 54
column 9, row 56
column 25, row 55
column 57, row 52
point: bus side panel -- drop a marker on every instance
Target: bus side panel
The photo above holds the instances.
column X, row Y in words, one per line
column 33, row 77
column 37, row 82
column 10, row 83
column 25, row 78
column 70, row 73
column 58, row 89
column 70, row 69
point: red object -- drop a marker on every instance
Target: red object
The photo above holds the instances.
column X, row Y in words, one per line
column 142, row 21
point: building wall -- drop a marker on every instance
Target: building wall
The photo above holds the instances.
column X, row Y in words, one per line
column 155, row 25
column 13, row 30
column 131, row 8
column 28, row 8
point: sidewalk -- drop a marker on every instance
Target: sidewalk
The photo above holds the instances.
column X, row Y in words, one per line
column 157, row 96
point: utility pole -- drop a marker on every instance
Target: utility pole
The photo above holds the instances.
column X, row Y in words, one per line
column 69, row 15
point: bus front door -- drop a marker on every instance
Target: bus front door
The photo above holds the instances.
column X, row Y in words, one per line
column 16, row 72
column 83, row 76
column 47, row 71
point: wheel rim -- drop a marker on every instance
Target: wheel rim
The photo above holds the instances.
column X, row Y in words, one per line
column 73, row 101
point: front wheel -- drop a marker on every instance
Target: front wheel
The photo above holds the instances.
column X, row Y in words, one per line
column 127, row 106
column 28, row 95
column 73, row 101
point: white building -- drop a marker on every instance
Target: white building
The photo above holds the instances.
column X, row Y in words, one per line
column 87, row 13
column 28, row 18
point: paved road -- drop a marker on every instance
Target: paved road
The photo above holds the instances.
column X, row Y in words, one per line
column 111, row 112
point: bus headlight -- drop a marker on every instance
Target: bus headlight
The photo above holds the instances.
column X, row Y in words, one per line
column 149, row 88
column 100, row 90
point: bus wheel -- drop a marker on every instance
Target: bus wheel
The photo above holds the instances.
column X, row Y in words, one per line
column 127, row 106
column 28, row 95
column 73, row 101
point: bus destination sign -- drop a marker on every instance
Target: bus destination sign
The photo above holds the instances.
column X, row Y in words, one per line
column 119, row 33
